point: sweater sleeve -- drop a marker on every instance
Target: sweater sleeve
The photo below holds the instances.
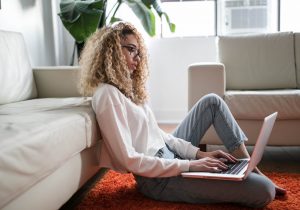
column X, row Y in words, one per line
column 182, row 147
column 117, row 138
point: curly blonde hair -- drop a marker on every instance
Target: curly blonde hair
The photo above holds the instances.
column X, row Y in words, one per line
column 102, row 61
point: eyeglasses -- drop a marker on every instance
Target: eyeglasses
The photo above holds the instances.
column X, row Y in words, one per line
column 132, row 51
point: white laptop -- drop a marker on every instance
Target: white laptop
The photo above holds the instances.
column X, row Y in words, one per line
column 242, row 169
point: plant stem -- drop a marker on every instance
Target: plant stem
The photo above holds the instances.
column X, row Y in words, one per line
column 102, row 21
column 111, row 10
column 119, row 4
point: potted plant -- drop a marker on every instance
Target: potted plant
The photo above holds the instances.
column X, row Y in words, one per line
column 82, row 17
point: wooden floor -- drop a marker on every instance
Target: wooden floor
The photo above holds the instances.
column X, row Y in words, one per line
column 276, row 159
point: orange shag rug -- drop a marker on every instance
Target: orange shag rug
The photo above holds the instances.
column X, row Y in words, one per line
column 118, row 191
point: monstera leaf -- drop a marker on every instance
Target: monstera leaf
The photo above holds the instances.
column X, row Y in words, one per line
column 156, row 6
column 82, row 18
column 143, row 10
column 144, row 13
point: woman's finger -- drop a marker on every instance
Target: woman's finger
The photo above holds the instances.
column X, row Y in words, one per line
column 216, row 162
column 228, row 157
column 213, row 169
column 221, row 166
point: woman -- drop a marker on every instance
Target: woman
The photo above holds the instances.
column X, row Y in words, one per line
column 114, row 70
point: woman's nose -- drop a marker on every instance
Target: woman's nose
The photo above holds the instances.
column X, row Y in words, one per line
column 137, row 58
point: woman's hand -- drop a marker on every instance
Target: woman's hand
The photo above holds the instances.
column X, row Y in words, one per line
column 211, row 161
column 218, row 154
column 207, row 164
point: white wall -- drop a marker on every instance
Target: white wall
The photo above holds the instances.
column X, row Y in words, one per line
column 37, row 20
column 169, row 61
column 28, row 17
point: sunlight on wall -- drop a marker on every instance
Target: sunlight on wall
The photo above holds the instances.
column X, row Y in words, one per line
column 290, row 15
column 30, row 18
column 192, row 18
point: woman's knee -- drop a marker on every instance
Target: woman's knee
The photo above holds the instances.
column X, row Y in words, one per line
column 211, row 98
column 208, row 100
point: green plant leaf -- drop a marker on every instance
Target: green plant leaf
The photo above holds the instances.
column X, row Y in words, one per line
column 145, row 15
column 81, row 18
column 172, row 26
column 115, row 19
column 156, row 6
column 148, row 3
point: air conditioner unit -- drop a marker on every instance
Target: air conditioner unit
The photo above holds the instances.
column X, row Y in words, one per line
column 244, row 16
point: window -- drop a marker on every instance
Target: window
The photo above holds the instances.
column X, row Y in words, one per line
column 247, row 16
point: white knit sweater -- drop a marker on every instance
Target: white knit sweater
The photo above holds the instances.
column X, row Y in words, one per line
column 131, row 137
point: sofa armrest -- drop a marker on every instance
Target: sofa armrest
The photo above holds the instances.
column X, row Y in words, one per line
column 204, row 78
column 56, row 81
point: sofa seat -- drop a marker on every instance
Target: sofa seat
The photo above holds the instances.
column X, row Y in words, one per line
column 38, row 136
column 255, row 105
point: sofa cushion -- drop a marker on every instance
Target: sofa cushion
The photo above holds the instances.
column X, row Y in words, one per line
column 297, row 56
column 255, row 105
column 39, row 138
column 264, row 61
column 16, row 76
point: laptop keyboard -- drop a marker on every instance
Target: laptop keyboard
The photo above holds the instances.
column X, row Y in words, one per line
column 235, row 168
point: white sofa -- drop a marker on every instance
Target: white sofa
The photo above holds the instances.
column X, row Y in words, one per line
column 48, row 133
column 255, row 75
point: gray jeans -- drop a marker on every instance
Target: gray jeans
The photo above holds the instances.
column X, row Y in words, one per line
column 255, row 191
